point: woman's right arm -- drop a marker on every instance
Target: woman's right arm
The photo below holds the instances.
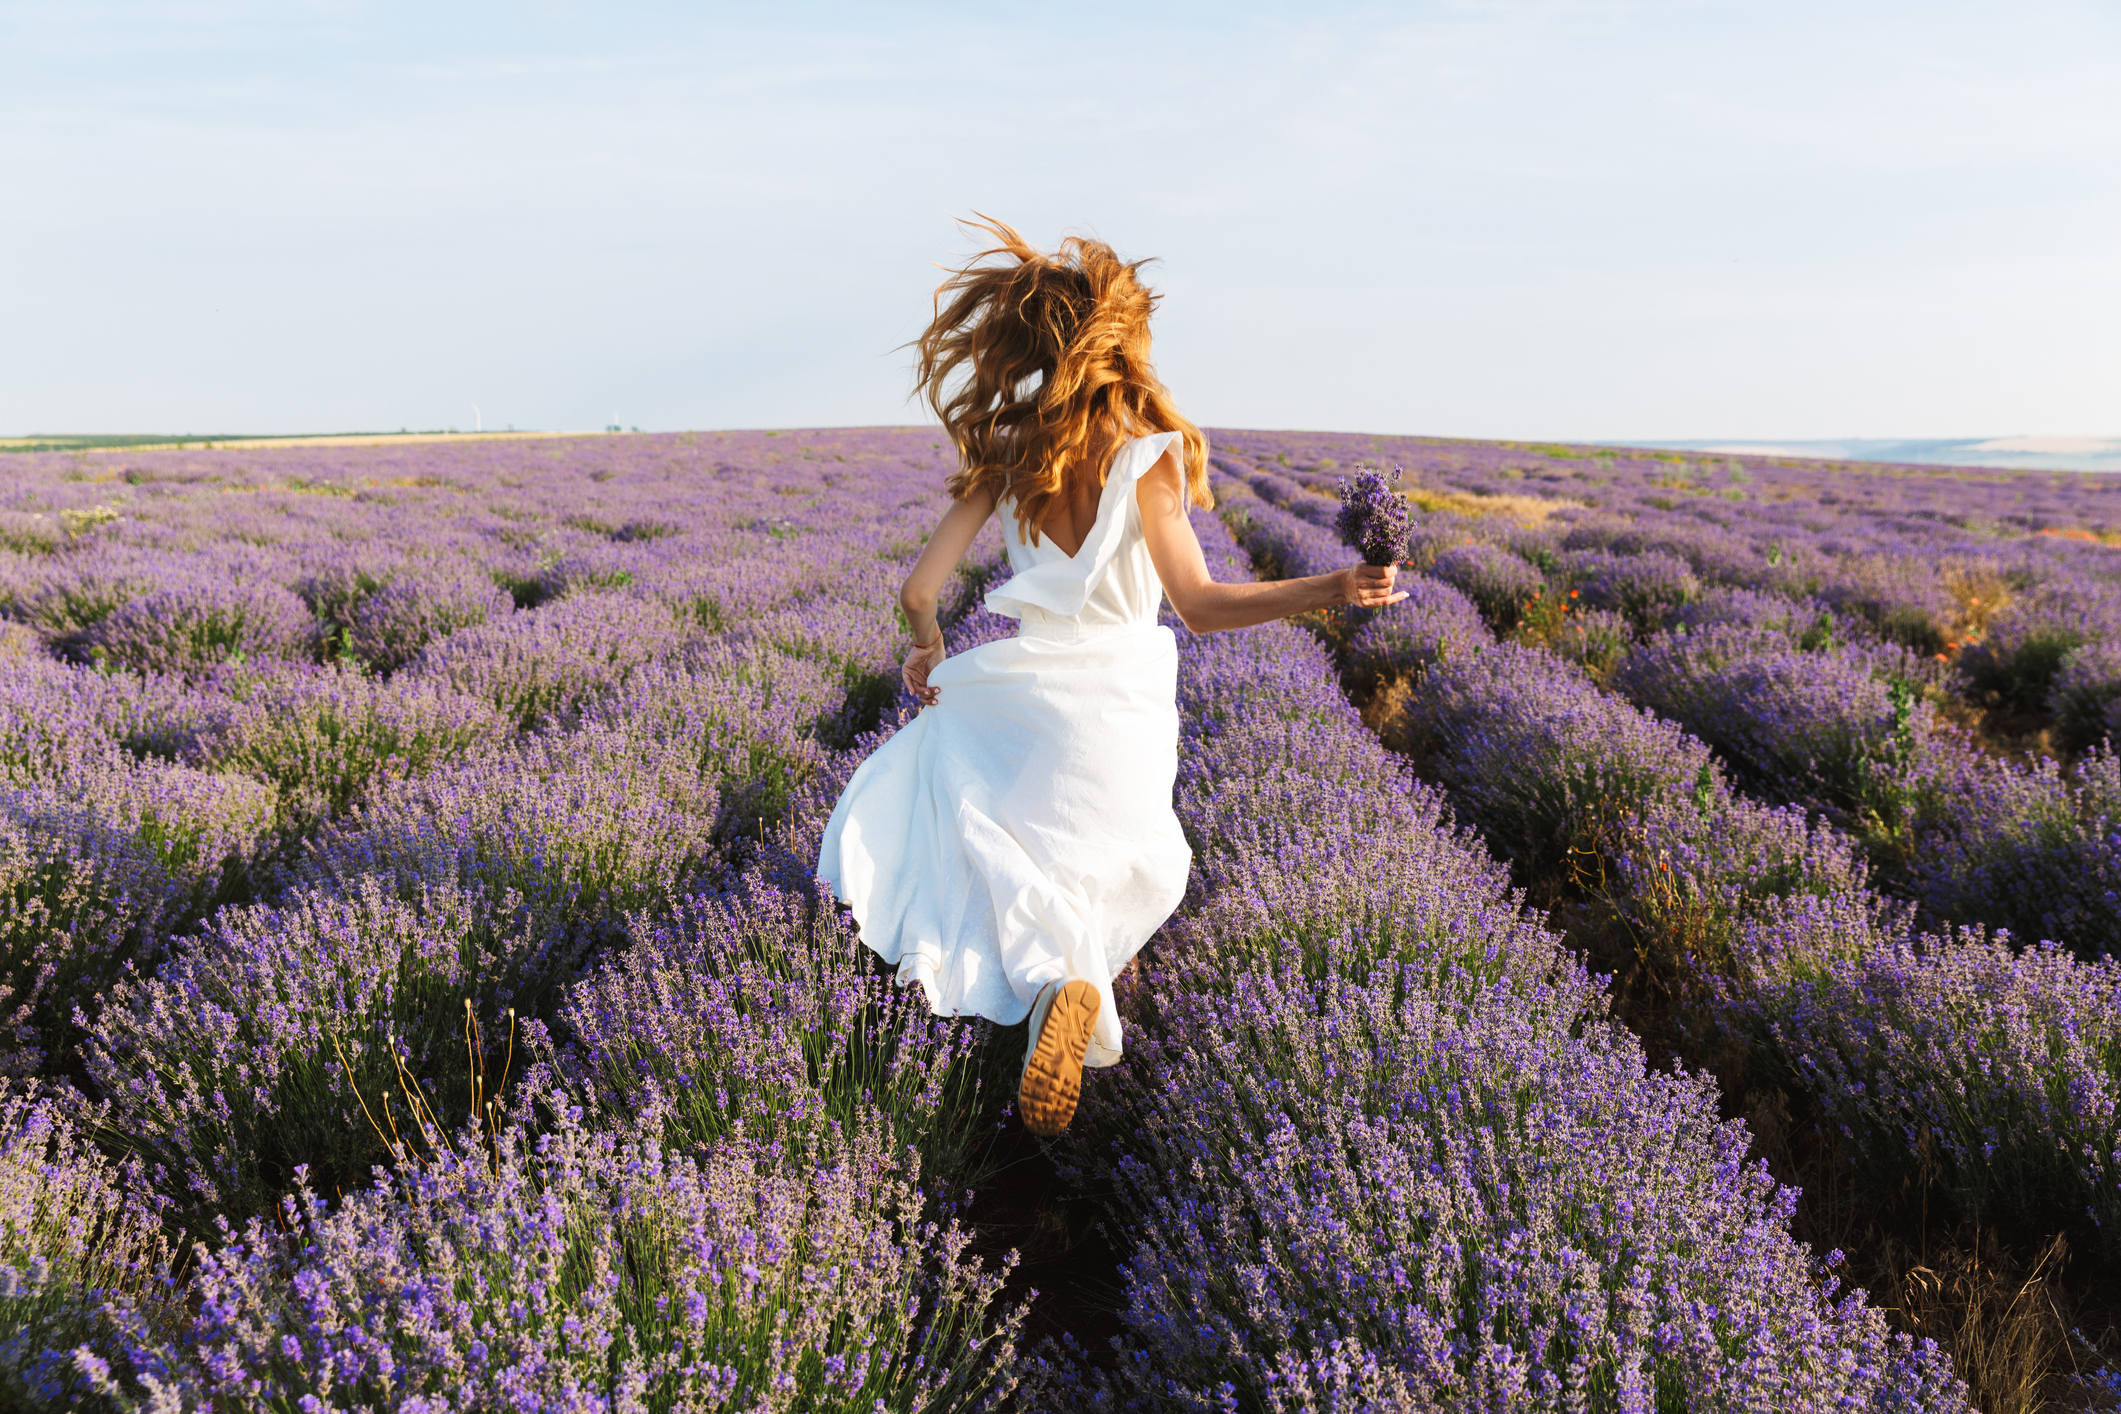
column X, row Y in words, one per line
column 1205, row 606
column 923, row 589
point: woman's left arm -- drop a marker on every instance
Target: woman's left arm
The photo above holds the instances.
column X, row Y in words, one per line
column 923, row 589
column 1207, row 607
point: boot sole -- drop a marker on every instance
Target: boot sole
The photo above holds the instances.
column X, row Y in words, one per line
column 1053, row 1081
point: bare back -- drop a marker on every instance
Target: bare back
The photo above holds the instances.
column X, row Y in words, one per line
column 1073, row 515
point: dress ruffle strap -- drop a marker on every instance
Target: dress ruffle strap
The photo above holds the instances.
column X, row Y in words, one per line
column 1063, row 584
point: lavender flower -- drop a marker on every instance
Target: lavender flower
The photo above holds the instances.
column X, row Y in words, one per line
column 1538, row 757
column 544, row 666
column 759, row 1015
column 1373, row 517
column 193, row 628
column 322, row 736
column 1998, row 1064
column 77, row 1232
column 1435, row 622
column 578, row 1268
column 1496, row 580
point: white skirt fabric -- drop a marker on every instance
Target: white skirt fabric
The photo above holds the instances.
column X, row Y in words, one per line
column 1020, row 831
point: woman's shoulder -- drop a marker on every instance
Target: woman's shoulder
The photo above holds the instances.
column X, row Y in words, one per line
column 1143, row 455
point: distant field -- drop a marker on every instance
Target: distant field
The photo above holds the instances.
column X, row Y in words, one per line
column 57, row 443
column 2010, row 453
column 2018, row 453
column 171, row 441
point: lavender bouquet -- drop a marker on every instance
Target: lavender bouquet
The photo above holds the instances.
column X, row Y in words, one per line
column 1373, row 517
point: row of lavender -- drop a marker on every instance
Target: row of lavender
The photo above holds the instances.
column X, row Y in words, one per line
column 416, row 994
column 1810, row 703
column 1957, row 1047
column 2020, row 629
column 1923, row 555
column 1376, row 1145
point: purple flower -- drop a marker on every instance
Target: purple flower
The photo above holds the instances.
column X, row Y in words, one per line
column 1496, row 580
column 1373, row 517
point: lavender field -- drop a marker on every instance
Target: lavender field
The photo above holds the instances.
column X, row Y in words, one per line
column 1666, row 964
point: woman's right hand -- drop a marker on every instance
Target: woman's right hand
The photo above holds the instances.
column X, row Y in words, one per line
column 919, row 663
column 1369, row 586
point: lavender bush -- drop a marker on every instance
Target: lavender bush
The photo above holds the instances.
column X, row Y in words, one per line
column 570, row 833
column 1298, row 496
column 2026, row 646
column 1646, row 588
column 755, row 722
column 1435, row 622
column 1596, row 640
column 77, row 1233
column 57, row 718
column 2085, row 698
column 1804, row 623
column 1827, row 729
column 758, row 1016
column 389, row 627
column 1901, row 598
column 1539, row 758
column 1994, row 1065
column 193, row 628
column 1359, row 1172
column 249, row 1052
column 2025, row 849
column 322, row 736
column 1497, row 581
column 571, row 1267
column 1289, row 546
column 710, row 648
column 78, row 896
column 1433, row 533
column 1685, row 875
column 542, row 667
column 1276, row 762
column 96, row 868
column 1439, row 1205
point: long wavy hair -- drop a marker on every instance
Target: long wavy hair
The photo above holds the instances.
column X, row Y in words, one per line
column 1034, row 362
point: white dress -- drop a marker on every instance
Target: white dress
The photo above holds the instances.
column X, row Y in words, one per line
column 1020, row 830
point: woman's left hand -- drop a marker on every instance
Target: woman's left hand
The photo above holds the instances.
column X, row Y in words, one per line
column 1369, row 586
column 919, row 663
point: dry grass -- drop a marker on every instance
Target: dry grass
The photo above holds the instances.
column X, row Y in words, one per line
column 374, row 439
column 2002, row 1317
column 1525, row 510
column 1980, row 593
column 2004, row 1307
column 18, row 644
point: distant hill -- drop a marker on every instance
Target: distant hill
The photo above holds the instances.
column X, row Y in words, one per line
column 2027, row 453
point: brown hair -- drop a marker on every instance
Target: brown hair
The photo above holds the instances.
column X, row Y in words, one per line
column 1075, row 322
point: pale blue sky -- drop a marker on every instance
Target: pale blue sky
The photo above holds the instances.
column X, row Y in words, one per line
column 1775, row 219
